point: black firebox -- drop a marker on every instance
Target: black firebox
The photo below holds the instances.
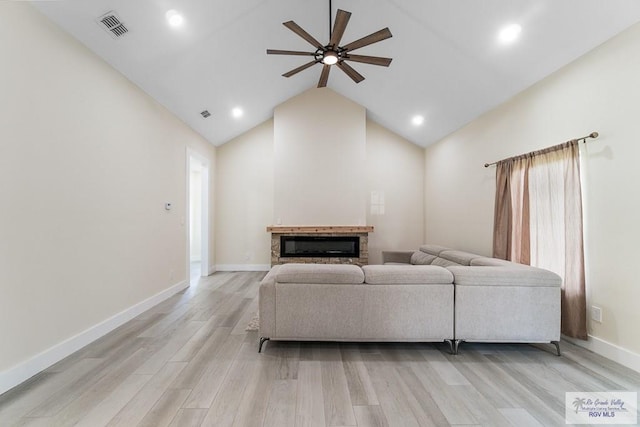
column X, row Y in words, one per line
column 320, row 246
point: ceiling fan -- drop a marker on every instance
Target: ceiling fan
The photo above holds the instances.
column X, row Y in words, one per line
column 332, row 53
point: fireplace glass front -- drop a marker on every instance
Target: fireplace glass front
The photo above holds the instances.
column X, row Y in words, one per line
column 320, row 246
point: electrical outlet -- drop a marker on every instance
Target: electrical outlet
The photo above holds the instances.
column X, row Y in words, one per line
column 596, row 314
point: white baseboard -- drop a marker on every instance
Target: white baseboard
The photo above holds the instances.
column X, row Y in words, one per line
column 30, row 367
column 610, row 351
column 243, row 267
column 212, row 270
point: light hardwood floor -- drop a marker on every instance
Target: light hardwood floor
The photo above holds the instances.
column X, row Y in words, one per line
column 190, row 362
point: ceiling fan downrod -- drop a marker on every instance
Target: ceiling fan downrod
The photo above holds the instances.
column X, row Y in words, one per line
column 330, row 24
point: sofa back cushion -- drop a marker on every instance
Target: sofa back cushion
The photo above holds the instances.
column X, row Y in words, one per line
column 406, row 275
column 443, row 262
column 441, row 256
column 320, row 273
column 459, row 257
column 422, row 258
column 433, row 249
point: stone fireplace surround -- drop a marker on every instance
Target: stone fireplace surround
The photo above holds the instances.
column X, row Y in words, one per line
column 361, row 231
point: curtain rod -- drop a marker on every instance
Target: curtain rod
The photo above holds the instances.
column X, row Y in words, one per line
column 583, row 139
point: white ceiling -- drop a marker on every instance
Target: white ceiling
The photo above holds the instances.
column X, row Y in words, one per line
column 446, row 64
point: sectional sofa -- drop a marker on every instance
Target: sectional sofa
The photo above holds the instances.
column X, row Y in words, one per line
column 429, row 295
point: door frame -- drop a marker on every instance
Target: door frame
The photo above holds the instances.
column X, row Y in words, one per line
column 193, row 157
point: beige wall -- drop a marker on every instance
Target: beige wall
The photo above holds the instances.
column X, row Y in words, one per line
column 319, row 160
column 395, row 192
column 244, row 200
column 247, row 169
column 598, row 92
column 87, row 161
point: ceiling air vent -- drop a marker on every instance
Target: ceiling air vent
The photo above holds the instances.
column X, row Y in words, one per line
column 205, row 113
column 112, row 24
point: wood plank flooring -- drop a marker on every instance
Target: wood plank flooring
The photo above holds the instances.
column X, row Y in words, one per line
column 190, row 362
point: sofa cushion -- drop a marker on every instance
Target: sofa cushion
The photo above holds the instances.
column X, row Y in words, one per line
column 320, row 273
column 422, row 258
column 459, row 257
column 433, row 249
column 406, row 274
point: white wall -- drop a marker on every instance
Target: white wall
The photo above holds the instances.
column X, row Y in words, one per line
column 598, row 92
column 319, row 160
column 395, row 173
column 244, row 200
column 87, row 161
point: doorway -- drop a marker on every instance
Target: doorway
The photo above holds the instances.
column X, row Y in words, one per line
column 197, row 216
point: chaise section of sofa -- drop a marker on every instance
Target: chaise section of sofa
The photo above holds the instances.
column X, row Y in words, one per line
column 496, row 300
column 506, row 304
column 313, row 302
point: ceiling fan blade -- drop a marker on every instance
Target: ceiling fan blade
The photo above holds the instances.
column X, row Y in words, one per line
column 370, row 39
column 355, row 76
column 373, row 60
column 288, row 52
column 300, row 68
column 324, row 76
column 302, row 33
column 342, row 19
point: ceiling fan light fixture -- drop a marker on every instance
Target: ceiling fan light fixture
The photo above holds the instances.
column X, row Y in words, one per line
column 330, row 57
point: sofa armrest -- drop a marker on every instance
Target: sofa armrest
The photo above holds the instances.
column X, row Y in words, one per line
column 397, row 257
column 267, row 303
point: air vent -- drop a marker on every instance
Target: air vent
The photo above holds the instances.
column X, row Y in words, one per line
column 205, row 113
column 112, row 24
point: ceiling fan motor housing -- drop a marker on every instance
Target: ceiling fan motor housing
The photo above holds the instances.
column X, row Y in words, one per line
column 329, row 56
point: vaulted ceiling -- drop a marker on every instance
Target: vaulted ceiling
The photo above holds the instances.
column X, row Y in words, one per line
column 448, row 65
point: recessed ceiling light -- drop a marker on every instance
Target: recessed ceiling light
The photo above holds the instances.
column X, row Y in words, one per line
column 237, row 112
column 417, row 120
column 174, row 18
column 509, row 33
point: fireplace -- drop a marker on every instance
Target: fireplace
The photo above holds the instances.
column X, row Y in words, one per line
column 332, row 244
column 320, row 246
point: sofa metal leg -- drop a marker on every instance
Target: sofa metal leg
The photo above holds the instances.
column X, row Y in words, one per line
column 453, row 345
column 450, row 342
column 456, row 344
column 557, row 344
column 262, row 341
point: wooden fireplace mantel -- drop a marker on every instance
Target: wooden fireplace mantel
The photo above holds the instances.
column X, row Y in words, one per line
column 310, row 229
